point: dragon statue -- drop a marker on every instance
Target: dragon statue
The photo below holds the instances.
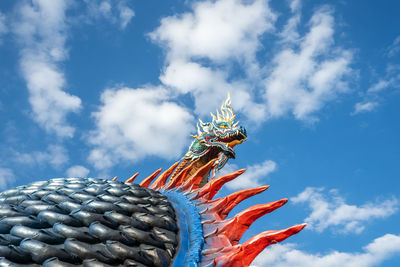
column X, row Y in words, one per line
column 214, row 140
column 168, row 219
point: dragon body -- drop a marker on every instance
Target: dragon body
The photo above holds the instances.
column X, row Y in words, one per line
column 170, row 218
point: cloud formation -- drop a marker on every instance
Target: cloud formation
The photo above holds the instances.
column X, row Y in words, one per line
column 332, row 211
column 55, row 156
column 202, row 45
column 374, row 254
column 3, row 26
column 134, row 123
column 41, row 30
column 7, row 177
column 309, row 71
column 252, row 177
column 362, row 107
column 77, row 171
column 115, row 12
column 205, row 47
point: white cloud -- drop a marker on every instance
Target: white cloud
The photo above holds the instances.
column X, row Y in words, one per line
column 77, row 171
column 206, row 46
column 310, row 74
column 374, row 254
column 331, row 211
column 213, row 32
column 42, row 31
column 379, row 86
column 125, row 15
column 252, row 177
column 394, row 48
column 374, row 94
column 364, row 107
column 135, row 123
column 115, row 12
column 55, row 155
column 7, row 177
column 3, row 26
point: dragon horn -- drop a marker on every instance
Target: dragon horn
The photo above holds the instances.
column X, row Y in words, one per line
column 199, row 133
column 213, row 117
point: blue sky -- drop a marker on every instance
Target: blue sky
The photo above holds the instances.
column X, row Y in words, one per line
column 108, row 88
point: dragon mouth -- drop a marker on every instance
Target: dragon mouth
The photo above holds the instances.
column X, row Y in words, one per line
column 230, row 141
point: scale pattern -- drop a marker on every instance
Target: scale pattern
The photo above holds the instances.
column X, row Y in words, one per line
column 86, row 222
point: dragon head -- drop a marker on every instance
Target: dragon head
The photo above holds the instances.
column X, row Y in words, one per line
column 215, row 140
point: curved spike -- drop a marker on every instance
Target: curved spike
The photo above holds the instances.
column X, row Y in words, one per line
column 130, row 180
column 180, row 177
column 146, row 182
column 194, row 180
column 243, row 255
column 235, row 227
column 219, row 117
column 162, row 179
column 199, row 133
column 222, row 206
column 213, row 116
column 115, row 178
column 213, row 186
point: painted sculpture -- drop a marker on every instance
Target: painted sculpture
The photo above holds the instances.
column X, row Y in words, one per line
column 169, row 219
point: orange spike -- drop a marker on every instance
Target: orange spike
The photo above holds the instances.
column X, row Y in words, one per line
column 222, row 206
column 213, row 186
column 160, row 182
column 235, row 227
column 115, row 178
column 146, row 182
column 244, row 254
column 130, row 180
column 180, row 177
column 194, row 181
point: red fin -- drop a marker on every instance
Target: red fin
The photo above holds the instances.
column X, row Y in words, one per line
column 222, row 206
column 243, row 255
column 235, row 227
column 178, row 179
column 162, row 179
column 194, row 181
column 213, row 186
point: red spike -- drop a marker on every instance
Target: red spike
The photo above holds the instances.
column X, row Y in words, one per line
column 222, row 206
column 160, row 182
column 243, row 255
column 146, row 182
column 177, row 181
column 213, row 186
column 179, row 178
column 115, row 178
column 130, row 180
column 235, row 227
column 194, row 181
